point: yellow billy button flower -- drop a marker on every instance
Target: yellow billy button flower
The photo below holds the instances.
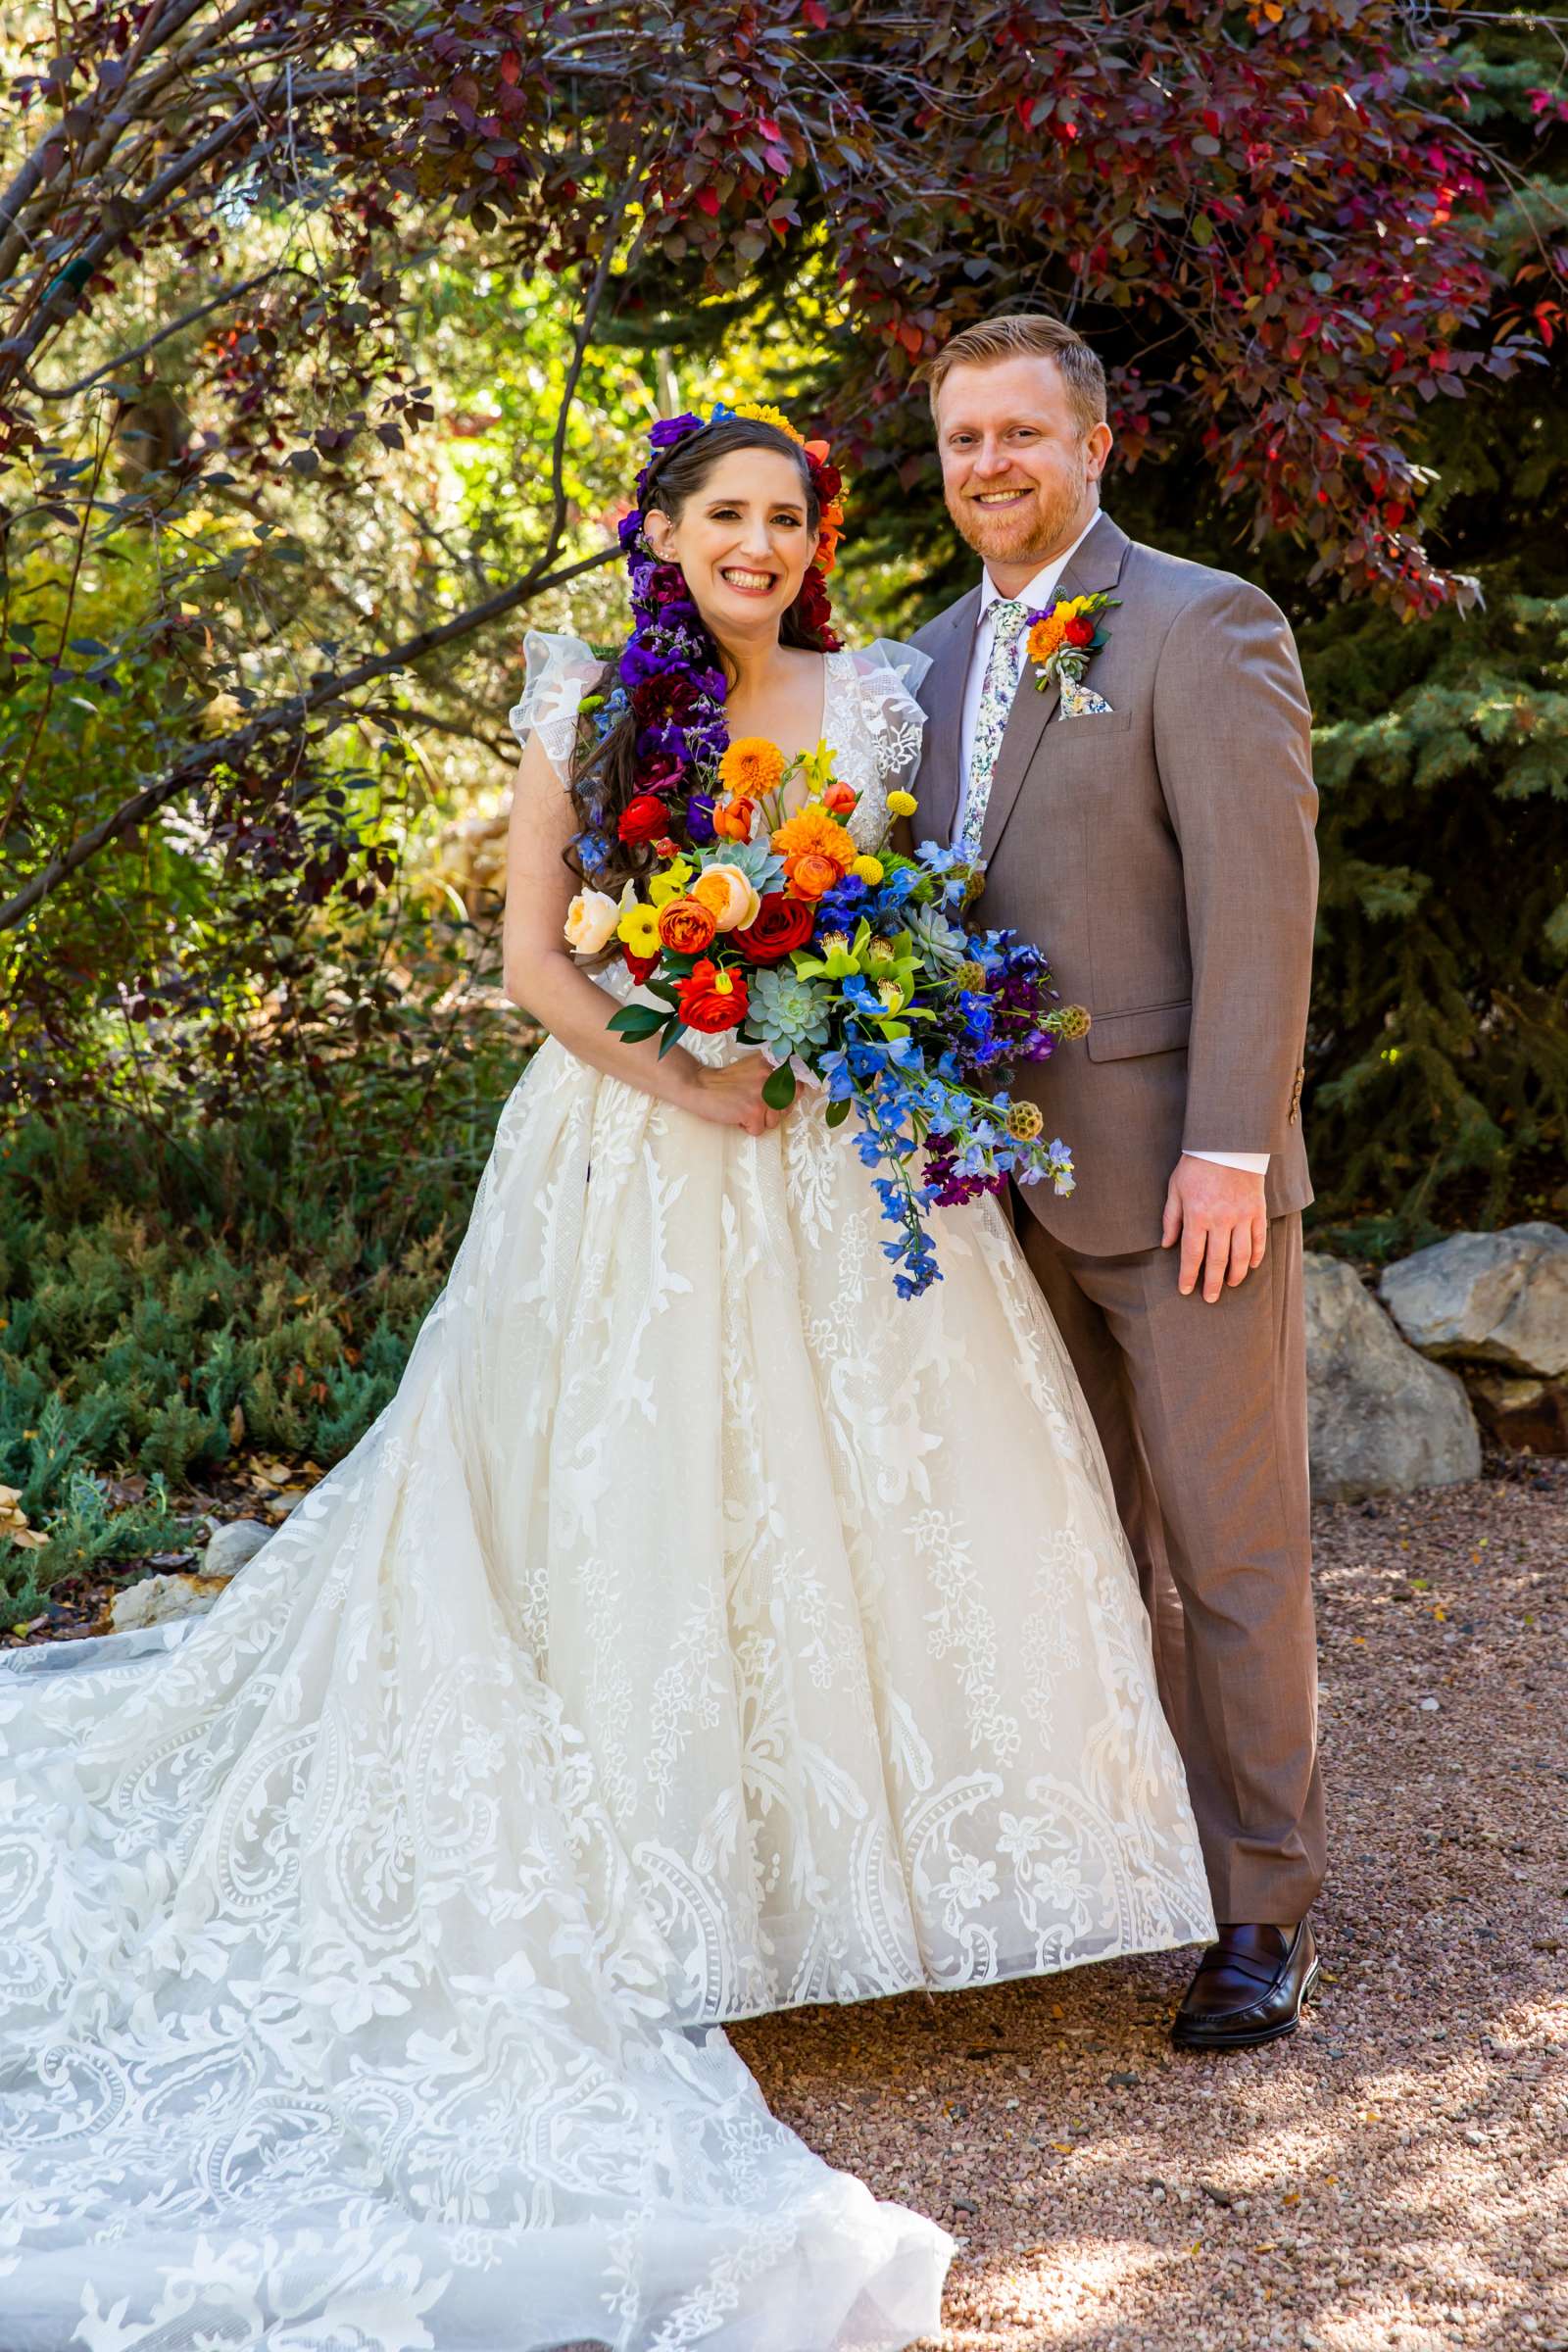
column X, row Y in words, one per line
column 902, row 804
column 869, row 869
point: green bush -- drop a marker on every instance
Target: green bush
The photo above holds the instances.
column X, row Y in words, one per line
column 170, row 1302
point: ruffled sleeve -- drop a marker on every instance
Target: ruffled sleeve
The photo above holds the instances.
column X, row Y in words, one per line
column 561, row 671
column 888, row 674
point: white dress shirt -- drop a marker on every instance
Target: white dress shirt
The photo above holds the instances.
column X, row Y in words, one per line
column 1039, row 593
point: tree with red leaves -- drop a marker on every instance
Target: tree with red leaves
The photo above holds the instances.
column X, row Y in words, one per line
column 1274, row 219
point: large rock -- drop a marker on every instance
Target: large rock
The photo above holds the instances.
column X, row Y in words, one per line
column 230, row 1547
column 1380, row 1420
column 1487, row 1297
column 154, row 1600
column 1526, row 1416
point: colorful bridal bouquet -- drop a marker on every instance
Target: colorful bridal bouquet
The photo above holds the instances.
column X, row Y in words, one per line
column 851, row 970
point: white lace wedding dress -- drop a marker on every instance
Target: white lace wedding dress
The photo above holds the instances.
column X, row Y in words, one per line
column 699, row 1630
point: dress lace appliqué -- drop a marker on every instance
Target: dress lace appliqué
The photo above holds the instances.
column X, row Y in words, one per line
column 700, row 1630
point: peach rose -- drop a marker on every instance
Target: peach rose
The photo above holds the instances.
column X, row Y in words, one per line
column 591, row 921
column 729, row 896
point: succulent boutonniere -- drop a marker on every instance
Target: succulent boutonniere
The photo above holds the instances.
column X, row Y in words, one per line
column 1063, row 640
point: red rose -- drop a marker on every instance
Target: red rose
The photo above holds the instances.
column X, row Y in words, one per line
column 1080, row 630
column 639, row 966
column 780, row 925
column 643, row 817
column 711, row 999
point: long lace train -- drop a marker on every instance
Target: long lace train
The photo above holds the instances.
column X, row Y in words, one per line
column 699, row 1630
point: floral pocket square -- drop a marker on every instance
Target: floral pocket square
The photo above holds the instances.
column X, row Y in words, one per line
column 1082, row 702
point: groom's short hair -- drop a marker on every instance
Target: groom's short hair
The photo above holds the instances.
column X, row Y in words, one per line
column 1026, row 334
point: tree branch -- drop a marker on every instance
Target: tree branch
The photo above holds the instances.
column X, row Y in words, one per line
column 139, row 351
column 284, row 716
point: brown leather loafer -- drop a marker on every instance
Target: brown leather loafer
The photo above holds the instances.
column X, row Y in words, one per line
column 1250, row 1988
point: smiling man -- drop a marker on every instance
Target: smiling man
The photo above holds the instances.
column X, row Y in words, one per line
column 1149, row 820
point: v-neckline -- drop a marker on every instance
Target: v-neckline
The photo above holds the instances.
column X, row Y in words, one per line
column 793, row 807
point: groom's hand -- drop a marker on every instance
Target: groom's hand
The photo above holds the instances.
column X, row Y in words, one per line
column 1218, row 1216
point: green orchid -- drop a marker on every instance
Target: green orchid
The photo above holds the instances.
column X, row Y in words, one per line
column 843, row 956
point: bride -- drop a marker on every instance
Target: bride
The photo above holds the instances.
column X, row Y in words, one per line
column 701, row 1629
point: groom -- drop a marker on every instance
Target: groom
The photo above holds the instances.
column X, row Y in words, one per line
column 1156, row 841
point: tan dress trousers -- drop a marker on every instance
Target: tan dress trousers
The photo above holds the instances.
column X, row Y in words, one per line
column 1201, row 1410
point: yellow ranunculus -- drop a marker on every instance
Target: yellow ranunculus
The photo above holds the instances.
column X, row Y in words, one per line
column 902, row 804
column 869, row 869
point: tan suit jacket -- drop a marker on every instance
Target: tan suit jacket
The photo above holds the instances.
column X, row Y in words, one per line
column 1163, row 857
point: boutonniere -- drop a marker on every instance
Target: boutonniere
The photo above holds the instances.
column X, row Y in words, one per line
column 1062, row 641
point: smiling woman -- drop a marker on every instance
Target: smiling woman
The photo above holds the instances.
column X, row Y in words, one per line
column 732, row 611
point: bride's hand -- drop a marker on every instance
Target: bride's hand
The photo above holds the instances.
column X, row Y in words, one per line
column 732, row 1096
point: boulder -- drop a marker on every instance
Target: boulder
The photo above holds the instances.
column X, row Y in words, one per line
column 230, row 1547
column 157, row 1598
column 1523, row 1415
column 1380, row 1420
column 1487, row 1297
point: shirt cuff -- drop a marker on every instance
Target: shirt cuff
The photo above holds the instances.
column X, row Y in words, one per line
column 1254, row 1163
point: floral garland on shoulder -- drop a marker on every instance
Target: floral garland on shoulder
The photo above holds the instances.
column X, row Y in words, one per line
column 667, row 677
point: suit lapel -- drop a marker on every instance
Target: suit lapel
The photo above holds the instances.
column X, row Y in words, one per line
column 1096, row 565
column 941, row 695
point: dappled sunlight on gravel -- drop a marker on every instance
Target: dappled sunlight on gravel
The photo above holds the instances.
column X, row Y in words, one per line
column 1394, row 2178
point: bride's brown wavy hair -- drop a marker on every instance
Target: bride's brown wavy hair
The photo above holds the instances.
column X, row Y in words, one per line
column 609, row 772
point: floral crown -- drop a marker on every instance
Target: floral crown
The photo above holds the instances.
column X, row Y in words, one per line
column 667, row 680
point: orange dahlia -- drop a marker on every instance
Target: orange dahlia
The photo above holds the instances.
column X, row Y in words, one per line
column 1046, row 636
column 814, row 834
column 750, row 767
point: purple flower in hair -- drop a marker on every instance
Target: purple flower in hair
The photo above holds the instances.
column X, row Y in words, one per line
column 667, row 430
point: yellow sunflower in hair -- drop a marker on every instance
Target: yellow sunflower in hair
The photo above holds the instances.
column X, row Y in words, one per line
column 759, row 413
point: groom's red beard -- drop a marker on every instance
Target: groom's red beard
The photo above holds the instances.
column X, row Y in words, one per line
column 1032, row 530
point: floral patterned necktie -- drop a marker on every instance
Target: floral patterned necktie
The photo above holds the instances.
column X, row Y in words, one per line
column 1007, row 618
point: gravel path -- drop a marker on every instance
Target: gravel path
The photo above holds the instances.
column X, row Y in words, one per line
column 1394, row 2175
